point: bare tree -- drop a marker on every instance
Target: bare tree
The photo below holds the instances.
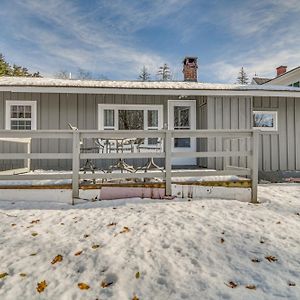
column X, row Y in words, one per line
column 62, row 74
column 83, row 74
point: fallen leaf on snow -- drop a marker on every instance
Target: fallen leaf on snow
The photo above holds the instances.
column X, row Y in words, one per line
column 112, row 224
column 57, row 258
column 231, row 284
column 251, row 287
column 271, row 258
column 135, row 297
column 95, row 246
column 125, row 229
column 137, row 275
column 86, row 235
column 34, row 233
column 23, row 274
column 35, row 221
column 78, row 253
column 222, row 240
column 105, row 284
column 41, row 286
column 33, row 254
column 13, row 224
column 291, row 283
column 83, row 286
column 256, row 260
column 278, row 222
column 2, row 275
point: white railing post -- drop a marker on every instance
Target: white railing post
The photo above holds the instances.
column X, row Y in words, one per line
column 28, row 151
column 255, row 141
column 75, row 165
column 168, row 162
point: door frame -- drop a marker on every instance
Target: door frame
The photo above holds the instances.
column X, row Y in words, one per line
column 193, row 124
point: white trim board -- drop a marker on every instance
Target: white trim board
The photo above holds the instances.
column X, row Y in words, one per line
column 168, row 92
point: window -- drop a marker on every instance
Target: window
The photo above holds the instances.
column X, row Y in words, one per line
column 265, row 120
column 20, row 115
column 130, row 117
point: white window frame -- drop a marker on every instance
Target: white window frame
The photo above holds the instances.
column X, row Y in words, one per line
column 116, row 107
column 8, row 118
column 275, row 119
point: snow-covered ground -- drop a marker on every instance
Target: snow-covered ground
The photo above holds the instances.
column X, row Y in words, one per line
column 153, row 249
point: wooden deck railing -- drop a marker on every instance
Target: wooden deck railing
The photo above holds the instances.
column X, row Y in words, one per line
column 167, row 137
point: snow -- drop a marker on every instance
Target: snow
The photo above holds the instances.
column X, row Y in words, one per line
column 175, row 245
column 180, row 85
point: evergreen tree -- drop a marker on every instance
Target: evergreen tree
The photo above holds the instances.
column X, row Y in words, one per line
column 242, row 77
column 5, row 69
column 144, row 74
column 83, row 74
column 62, row 74
column 164, row 73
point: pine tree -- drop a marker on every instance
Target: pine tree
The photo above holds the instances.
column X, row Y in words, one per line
column 144, row 74
column 5, row 69
column 164, row 73
column 242, row 77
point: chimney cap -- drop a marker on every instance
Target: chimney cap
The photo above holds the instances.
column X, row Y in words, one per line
column 190, row 57
column 281, row 67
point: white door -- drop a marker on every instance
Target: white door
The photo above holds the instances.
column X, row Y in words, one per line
column 182, row 116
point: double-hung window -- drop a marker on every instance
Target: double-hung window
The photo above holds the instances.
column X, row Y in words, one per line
column 20, row 115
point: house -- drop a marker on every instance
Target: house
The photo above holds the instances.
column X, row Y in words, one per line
column 283, row 77
column 42, row 103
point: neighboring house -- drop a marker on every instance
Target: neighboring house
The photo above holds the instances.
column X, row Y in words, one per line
column 284, row 77
column 41, row 103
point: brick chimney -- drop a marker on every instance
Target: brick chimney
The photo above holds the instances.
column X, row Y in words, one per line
column 190, row 67
column 281, row 70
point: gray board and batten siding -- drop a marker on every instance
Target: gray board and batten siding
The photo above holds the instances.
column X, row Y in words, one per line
column 277, row 150
column 56, row 110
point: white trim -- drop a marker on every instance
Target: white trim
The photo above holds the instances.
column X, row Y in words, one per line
column 133, row 91
column 275, row 119
column 116, row 107
column 9, row 103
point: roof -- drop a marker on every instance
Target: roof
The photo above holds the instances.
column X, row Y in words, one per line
column 260, row 80
column 153, row 85
column 282, row 75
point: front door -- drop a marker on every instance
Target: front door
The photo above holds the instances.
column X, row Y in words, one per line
column 182, row 116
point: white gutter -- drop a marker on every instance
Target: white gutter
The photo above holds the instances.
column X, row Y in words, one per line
column 167, row 92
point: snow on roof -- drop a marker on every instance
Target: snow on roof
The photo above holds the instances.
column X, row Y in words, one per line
column 179, row 85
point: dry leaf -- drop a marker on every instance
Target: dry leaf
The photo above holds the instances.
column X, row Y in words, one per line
column 34, row 233
column 35, row 221
column 23, row 274
column 271, row 258
column 78, row 253
column 86, row 235
column 125, row 229
column 112, row 224
column 256, row 260
column 222, row 240
column 95, row 246
column 33, row 254
column 41, row 286
column 105, row 284
column 251, row 287
column 135, row 297
column 231, row 284
column 62, row 223
column 137, row 275
column 2, row 275
column 57, row 258
column 278, row 222
column 291, row 283
column 13, row 224
column 83, row 286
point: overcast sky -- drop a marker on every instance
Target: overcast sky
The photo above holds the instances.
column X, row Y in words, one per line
column 117, row 37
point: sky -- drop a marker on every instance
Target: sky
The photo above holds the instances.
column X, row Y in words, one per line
column 116, row 38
